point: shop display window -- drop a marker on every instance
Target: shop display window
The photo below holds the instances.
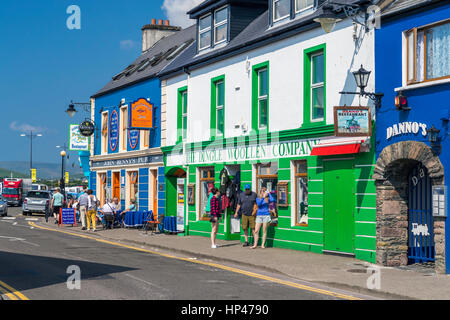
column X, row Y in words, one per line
column 206, row 184
column 301, row 193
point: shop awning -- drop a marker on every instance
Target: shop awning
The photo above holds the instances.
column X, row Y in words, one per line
column 338, row 146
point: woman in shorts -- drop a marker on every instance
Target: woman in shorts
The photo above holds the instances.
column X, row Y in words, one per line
column 262, row 216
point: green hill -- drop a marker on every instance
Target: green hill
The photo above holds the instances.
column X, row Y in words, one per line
column 5, row 173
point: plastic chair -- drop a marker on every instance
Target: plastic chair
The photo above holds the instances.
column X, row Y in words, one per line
column 150, row 221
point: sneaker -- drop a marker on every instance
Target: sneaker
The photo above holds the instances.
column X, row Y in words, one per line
column 84, row 228
column 214, row 246
column 246, row 244
column 94, row 230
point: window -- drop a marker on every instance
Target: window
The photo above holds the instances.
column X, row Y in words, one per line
column 263, row 91
column 206, row 184
column 146, row 139
column 314, row 86
column 317, row 86
column 182, row 116
column 260, row 97
column 104, row 141
column 301, row 5
column 204, row 29
column 124, row 128
column 220, row 25
column 267, row 177
column 218, row 106
column 102, row 188
column 281, row 9
column 301, row 193
column 133, row 179
column 428, row 52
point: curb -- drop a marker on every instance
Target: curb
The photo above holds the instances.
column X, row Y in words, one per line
column 336, row 285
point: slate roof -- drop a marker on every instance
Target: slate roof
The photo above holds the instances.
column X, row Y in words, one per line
column 256, row 34
column 162, row 46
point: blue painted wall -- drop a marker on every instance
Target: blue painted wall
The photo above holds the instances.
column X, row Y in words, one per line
column 148, row 89
column 428, row 105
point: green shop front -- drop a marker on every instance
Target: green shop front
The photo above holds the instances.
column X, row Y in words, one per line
column 322, row 185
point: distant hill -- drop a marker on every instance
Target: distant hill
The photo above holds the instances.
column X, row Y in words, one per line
column 43, row 170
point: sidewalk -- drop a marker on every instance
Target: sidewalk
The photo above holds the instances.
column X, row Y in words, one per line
column 414, row 282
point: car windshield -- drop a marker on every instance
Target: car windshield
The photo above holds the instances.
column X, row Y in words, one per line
column 36, row 194
column 10, row 191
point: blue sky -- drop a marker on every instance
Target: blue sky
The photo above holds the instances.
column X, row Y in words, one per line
column 44, row 65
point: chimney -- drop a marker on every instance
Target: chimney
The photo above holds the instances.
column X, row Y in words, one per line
column 152, row 33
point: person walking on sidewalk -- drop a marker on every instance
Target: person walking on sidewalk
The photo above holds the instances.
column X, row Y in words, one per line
column 92, row 211
column 215, row 216
column 262, row 216
column 84, row 202
column 57, row 203
column 245, row 208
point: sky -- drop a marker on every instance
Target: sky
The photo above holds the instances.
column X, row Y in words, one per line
column 44, row 65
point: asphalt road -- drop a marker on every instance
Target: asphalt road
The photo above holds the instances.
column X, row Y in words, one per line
column 35, row 262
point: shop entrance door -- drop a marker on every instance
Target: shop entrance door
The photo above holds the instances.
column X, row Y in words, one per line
column 116, row 185
column 339, row 206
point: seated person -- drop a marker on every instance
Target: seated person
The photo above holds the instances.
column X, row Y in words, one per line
column 108, row 211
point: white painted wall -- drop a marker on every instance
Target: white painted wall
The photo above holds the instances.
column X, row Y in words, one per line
column 285, row 83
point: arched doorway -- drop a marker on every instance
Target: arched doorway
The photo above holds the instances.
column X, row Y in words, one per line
column 406, row 232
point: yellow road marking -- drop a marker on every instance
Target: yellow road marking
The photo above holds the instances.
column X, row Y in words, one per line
column 11, row 293
column 215, row 265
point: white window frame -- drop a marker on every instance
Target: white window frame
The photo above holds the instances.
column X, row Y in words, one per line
column 208, row 29
column 273, row 11
column 303, row 9
column 265, row 97
column 123, row 143
column 315, row 86
column 216, row 25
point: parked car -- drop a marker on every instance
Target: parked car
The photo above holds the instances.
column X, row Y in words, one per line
column 3, row 207
column 37, row 202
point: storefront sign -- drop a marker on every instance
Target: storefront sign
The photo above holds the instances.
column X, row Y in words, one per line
column 114, row 130
column 87, row 128
column 352, row 122
column 133, row 138
column 141, row 114
column 257, row 152
column 406, row 128
column 77, row 141
column 127, row 162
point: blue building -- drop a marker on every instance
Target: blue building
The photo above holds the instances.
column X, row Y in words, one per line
column 126, row 160
column 412, row 59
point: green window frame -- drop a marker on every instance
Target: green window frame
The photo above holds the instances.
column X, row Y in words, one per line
column 217, row 106
column 260, row 97
column 314, row 86
column 182, row 114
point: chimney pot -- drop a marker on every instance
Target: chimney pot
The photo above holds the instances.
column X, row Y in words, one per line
column 167, row 22
column 160, row 22
column 153, row 21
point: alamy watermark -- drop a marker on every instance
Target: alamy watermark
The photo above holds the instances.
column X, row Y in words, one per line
column 374, row 280
column 74, row 280
column 73, row 22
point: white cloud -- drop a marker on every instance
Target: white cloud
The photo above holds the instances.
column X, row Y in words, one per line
column 25, row 128
column 176, row 11
column 127, row 44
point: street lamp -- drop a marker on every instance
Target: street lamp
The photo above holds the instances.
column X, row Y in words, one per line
column 31, row 136
column 71, row 109
column 362, row 79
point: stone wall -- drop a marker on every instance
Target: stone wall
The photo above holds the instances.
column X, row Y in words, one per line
column 391, row 175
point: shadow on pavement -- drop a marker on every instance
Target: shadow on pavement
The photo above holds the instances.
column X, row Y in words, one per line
column 24, row 272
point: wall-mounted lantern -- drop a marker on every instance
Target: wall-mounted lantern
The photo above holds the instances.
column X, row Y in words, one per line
column 401, row 102
column 433, row 138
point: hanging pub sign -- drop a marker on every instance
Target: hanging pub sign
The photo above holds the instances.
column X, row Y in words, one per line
column 114, row 130
column 77, row 141
column 352, row 122
column 87, row 128
column 133, row 137
column 141, row 115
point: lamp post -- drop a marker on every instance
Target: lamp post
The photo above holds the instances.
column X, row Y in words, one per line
column 361, row 79
column 71, row 111
column 31, row 136
column 62, row 182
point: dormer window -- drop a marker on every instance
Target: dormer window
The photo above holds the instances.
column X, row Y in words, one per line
column 220, row 25
column 204, row 29
column 213, row 28
column 284, row 10
column 281, row 9
column 302, row 5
